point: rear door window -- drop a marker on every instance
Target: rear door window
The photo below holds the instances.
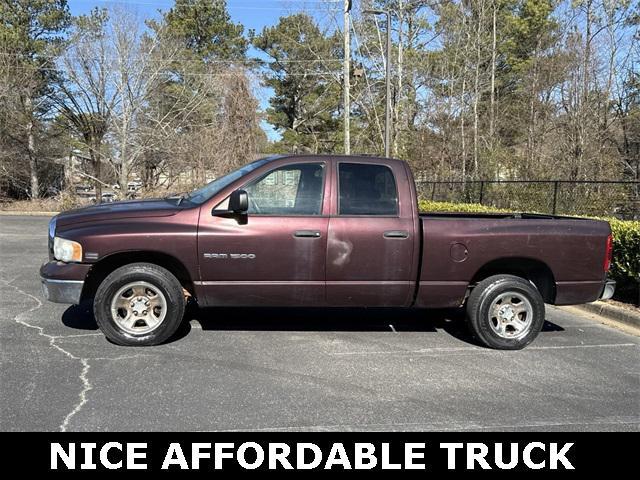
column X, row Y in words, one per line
column 367, row 189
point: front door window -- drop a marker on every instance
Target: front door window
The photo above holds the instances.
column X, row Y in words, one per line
column 289, row 190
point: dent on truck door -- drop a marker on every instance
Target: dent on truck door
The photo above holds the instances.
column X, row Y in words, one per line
column 370, row 252
column 278, row 257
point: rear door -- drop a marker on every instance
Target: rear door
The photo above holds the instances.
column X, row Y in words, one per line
column 371, row 254
column 278, row 256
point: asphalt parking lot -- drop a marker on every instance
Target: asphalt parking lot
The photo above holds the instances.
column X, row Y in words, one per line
column 252, row 369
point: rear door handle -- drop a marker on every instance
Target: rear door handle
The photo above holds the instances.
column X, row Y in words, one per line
column 396, row 234
column 307, row 233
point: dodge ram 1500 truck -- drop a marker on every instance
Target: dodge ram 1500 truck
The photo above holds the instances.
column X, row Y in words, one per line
column 320, row 231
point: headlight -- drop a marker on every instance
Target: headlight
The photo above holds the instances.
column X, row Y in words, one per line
column 67, row 250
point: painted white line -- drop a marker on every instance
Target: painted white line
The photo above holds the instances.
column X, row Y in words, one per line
column 579, row 327
column 449, row 426
column 23, row 235
column 602, row 345
column 426, row 351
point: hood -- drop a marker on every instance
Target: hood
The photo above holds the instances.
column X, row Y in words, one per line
column 119, row 210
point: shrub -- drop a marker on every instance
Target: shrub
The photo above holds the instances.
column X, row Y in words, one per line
column 68, row 201
column 430, row 206
column 625, row 269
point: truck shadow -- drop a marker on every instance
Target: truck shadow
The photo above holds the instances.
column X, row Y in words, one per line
column 331, row 320
column 306, row 320
column 80, row 316
column 390, row 320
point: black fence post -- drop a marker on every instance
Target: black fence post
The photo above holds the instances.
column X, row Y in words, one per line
column 481, row 191
column 555, row 195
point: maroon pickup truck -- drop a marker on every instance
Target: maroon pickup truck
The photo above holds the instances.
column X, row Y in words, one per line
column 320, row 231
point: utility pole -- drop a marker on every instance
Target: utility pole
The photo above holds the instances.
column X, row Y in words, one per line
column 345, row 78
column 387, row 116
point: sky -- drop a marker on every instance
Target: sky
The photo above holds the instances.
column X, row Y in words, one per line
column 253, row 14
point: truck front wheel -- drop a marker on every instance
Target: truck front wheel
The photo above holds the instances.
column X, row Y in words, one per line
column 505, row 312
column 139, row 304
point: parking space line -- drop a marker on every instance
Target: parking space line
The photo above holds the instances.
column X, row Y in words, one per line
column 452, row 426
column 21, row 235
column 436, row 350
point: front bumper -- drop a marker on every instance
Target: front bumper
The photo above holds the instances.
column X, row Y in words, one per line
column 608, row 290
column 62, row 291
column 63, row 282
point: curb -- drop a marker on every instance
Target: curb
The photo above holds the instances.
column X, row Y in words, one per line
column 612, row 312
column 11, row 213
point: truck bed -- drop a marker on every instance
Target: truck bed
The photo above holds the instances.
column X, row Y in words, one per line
column 564, row 257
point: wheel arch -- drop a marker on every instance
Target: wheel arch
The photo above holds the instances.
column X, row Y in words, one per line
column 108, row 264
column 531, row 269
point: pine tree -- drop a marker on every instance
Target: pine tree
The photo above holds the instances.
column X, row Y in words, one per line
column 30, row 31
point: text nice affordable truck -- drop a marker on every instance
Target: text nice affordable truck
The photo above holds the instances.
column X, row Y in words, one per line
column 320, row 231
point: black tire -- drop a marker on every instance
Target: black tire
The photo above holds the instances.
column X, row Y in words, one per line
column 483, row 324
column 154, row 275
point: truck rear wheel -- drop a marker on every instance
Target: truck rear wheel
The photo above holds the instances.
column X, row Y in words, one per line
column 505, row 312
column 139, row 304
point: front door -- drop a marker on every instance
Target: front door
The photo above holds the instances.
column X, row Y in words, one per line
column 370, row 252
column 278, row 256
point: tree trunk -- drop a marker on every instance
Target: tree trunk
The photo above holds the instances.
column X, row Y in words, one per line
column 97, row 167
column 123, row 174
column 69, row 174
column 532, row 147
column 31, row 147
column 398, row 109
column 123, row 179
column 462, row 134
column 462, row 102
column 476, row 91
column 492, row 110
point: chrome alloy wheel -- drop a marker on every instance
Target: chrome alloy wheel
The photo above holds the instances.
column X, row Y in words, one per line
column 138, row 307
column 510, row 315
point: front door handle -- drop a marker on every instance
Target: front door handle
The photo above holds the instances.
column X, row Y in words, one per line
column 396, row 234
column 307, row 233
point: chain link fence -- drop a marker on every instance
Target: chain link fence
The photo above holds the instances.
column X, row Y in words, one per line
column 619, row 199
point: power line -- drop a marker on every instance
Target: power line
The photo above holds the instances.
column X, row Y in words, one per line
column 194, row 74
column 248, row 60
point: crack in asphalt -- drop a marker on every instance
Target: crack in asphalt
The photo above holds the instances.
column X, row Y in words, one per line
column 84, row 361
column 83, row 394
column 86, row 384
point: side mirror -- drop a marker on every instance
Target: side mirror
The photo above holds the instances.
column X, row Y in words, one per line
column 239, row 202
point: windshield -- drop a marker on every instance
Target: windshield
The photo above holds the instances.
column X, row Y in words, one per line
column 210, row 189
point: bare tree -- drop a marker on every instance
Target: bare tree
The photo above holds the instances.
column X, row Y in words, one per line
column 86, row 96
column 140, row 63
